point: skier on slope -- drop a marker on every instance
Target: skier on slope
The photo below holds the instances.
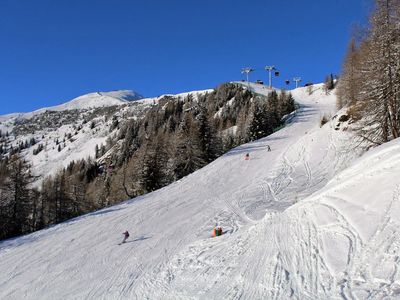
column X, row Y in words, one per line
column 126, row 235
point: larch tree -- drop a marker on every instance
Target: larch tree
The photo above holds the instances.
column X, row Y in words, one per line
column 351, row 77
column 370, row 81
column 380, row 70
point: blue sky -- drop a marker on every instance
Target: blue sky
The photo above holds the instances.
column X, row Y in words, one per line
column 54, row 50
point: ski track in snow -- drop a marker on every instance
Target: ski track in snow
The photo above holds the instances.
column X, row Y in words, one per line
column 294, row 228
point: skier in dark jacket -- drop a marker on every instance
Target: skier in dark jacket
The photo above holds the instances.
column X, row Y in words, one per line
column 126, row 235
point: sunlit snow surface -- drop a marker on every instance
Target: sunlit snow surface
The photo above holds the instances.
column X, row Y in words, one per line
column 308, row 220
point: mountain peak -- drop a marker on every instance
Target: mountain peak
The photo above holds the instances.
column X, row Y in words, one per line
column 99, row 99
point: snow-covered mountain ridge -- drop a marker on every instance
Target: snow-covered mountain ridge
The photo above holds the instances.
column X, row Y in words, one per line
column 308, row 220
column 99, row 99
column 91, row 100
column 72, row 130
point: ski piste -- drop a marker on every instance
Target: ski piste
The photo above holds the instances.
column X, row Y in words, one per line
column 304, row 221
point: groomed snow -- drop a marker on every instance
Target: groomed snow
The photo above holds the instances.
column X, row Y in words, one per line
column 308, row 220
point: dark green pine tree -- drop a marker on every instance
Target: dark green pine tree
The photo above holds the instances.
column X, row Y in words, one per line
column 154, row 172
column 273, row 108
column 273, row 104
column 289, row 104
column 262, row 123
column 15, row 196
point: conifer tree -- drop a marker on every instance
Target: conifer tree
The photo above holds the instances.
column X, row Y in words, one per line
column 188, row 153
column 349, row 82
column 262, row 122
column 15, row 198
column 153, row 172
column 329, row 83
column 209, row 141
column 380, row 87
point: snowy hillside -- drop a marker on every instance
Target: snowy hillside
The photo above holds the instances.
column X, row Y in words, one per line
column 71, row 131
column 92, row 100
column 308, row 220
column 84, row 102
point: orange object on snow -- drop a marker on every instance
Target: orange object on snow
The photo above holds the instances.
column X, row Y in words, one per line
column 217, row 232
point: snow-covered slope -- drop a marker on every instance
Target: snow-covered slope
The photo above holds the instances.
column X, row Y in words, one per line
column 257, row 88
column 70, row 131
column 82, row 123
column 307, row 220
